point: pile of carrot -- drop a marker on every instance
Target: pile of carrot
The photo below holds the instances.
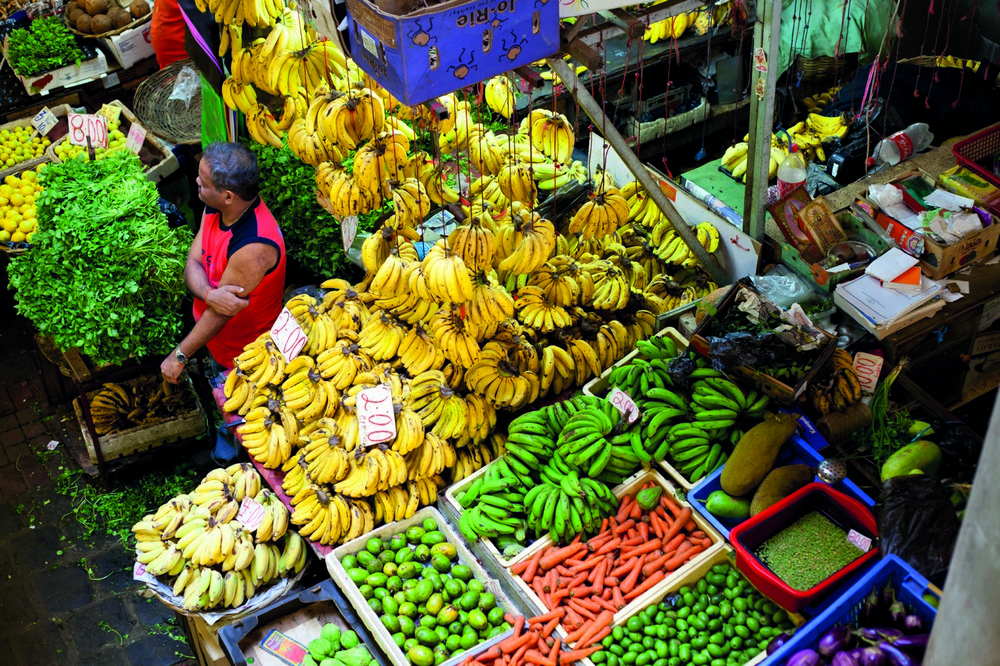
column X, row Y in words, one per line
column 590, row 581
column 531, row 643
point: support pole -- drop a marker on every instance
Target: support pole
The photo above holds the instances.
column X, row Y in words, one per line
column 765, row 39
column 596, row 113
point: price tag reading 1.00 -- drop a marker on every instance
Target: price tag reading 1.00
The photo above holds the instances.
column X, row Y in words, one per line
column 288, row 335
column 867, row 367
column 376, row 417
column 624, row 403
column 82, row 126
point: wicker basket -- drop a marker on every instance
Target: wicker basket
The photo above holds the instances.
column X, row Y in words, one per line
column 169, row 118
column 819, row 69
column 124, row 4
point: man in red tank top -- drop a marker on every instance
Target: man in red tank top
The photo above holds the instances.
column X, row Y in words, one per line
column 236, row 266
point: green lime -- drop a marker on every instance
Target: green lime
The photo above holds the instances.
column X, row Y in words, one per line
column 374, row 545
column 495, row 615
column 420, row 655
column 432, row 538
column 430, row 524
column 357, row 575
column 406, row 625
column 487, row 601
column 461, row 572
column 391, row 623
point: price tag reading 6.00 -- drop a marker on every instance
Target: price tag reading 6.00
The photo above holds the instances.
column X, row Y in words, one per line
column 83, row 125
column 376, row 417
column 288, row 335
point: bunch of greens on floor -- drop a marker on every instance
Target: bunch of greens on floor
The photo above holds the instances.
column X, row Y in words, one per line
column 46, row 45
column 312, row 234
column 105, row 274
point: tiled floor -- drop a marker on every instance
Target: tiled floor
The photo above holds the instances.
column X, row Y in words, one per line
column 64, row 599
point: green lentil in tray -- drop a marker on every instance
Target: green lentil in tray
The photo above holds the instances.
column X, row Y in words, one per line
column 808, row 551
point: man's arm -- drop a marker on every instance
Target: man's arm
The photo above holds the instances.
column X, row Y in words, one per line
column 226, row 300
column 244, row 271
column 195, row 276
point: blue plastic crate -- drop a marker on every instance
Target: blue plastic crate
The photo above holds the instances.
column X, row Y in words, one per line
column 910, row 587
column 794, row 452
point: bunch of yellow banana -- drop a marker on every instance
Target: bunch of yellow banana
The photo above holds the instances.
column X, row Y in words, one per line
column 398, row 502
column 418, row 353
column 499, row 381
column 350, row 120
column 457, row 338
column 611, row 287
column 473, row 458
column 411, row 203
column 837, row 387
column 322, row 334
column 431, row 458
column 409, row 431
column 264, row 129
column 536, row 311
column 327, row 518
column 342, row 363
column 516, row 183
column 274, row 523
column 381, row 160
column 490, row 303
column 381, row 336
column 268, row 435
column 306, row 394
column 239, row 96
column 345, row 196
column 550, row 133
column 474, row 243
column 819, row 101
column 433, row 181
column 487, row 194
column 487, row 152
column 641, row 208
column 601, row 215
column 734, row 160
column 557, row 369
column 639, row 250
column 374, row 470
column 431, row 398
column 447, row 277
column 244, row 481
column 501, row 95
column 558, row 287
column 261, row 361
column 671, row 249
column 524, row 243
column 313, row 147
column 686, row 286
column 669, row 28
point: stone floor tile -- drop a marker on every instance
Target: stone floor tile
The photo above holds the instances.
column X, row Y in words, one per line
column 63, row 589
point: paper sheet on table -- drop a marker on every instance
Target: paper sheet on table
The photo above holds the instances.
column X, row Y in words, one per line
column 948, row 201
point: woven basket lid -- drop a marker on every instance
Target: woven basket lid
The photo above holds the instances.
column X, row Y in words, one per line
column 169, row 118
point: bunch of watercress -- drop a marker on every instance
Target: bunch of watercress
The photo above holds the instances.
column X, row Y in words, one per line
column 45, row 45
column 105, row 273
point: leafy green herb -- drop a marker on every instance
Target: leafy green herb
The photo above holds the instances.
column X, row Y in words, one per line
column 45, row 45
column 312, row 234
column 105, row 274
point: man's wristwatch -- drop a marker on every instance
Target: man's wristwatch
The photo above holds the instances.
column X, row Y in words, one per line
column 181, row 358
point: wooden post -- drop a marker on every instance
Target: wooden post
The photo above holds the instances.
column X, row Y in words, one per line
column 765, row 40
column 638, row 169
column 965, row 631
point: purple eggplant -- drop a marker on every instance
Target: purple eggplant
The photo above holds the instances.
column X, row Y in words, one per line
column 896, row 656
column 876, row 634
column 845, row 659
column 776, row 642
column 804, row 658
column 913, row 644
column 914, row 624
column 872, row 656
column 836, row 639
column 869, row 609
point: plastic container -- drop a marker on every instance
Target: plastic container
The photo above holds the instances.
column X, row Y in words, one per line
column 977, row 153
column 791, row 171
column 909, row 585
column 631, row 488
column 843, row 511
column 300, row 617
column 902, row 145
column 382, row 636
column 794, row 452
column 598, row 386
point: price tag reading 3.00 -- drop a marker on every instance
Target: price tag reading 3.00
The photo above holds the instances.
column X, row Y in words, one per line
column 376, row 417
column 624, row 403
column 288, row 335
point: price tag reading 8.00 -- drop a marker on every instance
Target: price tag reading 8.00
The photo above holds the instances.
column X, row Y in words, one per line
column 86, row 125
column 376, row 418
column 867, row 367
column 624, row 403
column 288, row 335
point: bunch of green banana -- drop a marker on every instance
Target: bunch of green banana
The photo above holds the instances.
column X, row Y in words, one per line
column 658, row 346
column 493, row 505
column 600, row 443
column 566, row 505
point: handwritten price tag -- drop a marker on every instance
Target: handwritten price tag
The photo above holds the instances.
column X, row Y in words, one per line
column 376, row 417
column 251, row 513
column 288, row 335
column 110, row 113
column 868, row 367
column 348, row 230
column 44, row 121
column 82, row 126
column 859, row 540
column 139, row 573
column 136, row 137
column 623, row 403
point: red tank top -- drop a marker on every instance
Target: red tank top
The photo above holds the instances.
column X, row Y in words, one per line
column 218, row 244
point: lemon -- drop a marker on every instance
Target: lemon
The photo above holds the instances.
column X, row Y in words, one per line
column 29, row 176
column 4, row 235
column 17, row 237
column 17, row 199
column 28, row 236
column 9, row 227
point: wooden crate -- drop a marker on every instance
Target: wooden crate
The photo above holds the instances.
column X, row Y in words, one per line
column 60, row 111
column 119, row 444
column 204, row 640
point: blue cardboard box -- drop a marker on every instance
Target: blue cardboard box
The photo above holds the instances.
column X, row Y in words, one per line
column 431, row 52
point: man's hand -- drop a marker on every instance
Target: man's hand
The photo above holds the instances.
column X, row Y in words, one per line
column 171, row 369
column 227, row 300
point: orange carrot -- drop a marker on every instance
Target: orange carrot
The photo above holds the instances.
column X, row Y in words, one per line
column 514, row 643
column 578, row 655
column 584, row 629
column 573, row 562
column 656, row 524
column 621, row 569
column 634, row 541
column 547, row 629
column 545, row 617
column 636, row 511
column 698, row 534
column 519, row 567
column 598, row 579
column 606, row 594
column 609, row 547
column 606, row 604
column 706, row 542
column 654, row 565
column 624, row 508
column 625, row 527
column 629, row 583
column 598, row 637
column 536, row 657
column 549, row 581
column 682, row 557
column 604, row 525
column 518, row 656
column 602, row 621
column 674, row 542
column 554, row 650
column 572, row 619
column 645, row 547
column 589, row 604
column 611, row 580
column 678, row 524
column 645, row 585
column 575, row 605
column 617, row 599
column 557, row 556
column 644, row 530
column 587, row 565
column 532, row 565
column 492, row 653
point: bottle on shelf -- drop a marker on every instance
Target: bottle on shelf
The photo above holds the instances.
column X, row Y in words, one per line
column 791, row 171
column 902, row 145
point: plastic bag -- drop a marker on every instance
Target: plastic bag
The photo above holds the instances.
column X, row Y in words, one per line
column 783, row 289
column 186, row 86
column 917, row 522
column 175, row 218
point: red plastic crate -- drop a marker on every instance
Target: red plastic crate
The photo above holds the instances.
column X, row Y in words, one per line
column 845, row 512
column 977, row 152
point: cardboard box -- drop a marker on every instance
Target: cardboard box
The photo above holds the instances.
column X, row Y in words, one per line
column 967, row 183
column 130, row 46
column 940, row 260
column 663, row 126
column 71, row 75
column 431, row 52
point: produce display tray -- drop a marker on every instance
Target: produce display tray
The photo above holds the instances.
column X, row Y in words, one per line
column 845, row 512
column 300, row 617
column 773, row 387
column 794, row 452
column 382, row 636
column 631, row 487
column 909, row 585
column 60, row 111
column 978, row 151
column 598, row 386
